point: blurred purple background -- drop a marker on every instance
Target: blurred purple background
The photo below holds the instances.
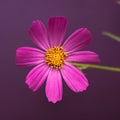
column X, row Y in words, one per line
column 101, row 101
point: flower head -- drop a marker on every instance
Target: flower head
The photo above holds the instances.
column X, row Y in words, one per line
column 52, row 59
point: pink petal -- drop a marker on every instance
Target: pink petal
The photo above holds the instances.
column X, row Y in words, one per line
column 74, row 78
column 77, row 40
column 39, row 35
column 28, row 56
column 37, row 76
column 54, row 86
column 83, row 57
column 56, row 30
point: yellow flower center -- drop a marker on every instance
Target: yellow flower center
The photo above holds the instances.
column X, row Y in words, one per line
column 55, row 57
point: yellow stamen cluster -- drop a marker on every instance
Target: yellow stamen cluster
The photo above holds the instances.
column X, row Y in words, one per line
column 55, row 57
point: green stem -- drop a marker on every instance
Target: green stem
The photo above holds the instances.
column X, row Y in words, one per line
column 96, row 67
column 115, row 37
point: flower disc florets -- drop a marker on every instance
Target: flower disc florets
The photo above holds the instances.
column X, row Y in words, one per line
column 55, row 57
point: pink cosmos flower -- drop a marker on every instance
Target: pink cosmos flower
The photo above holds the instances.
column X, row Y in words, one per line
column 52, row 59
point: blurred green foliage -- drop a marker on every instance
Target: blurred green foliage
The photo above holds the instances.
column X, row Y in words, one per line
column 118, row 2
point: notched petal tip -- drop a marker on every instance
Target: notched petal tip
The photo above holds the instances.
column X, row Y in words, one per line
column 84, row 57
column 56, row 30
column 36, row 22
column 29, row 86
column 84, row 89
column 28, row 56
column 74, row 78
column 39, row 35
column 87, row 33
column 58, row 17
column 77, row 40
column 54, row 86
column 98, row 60
column 37, row 76
column 52, row 101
